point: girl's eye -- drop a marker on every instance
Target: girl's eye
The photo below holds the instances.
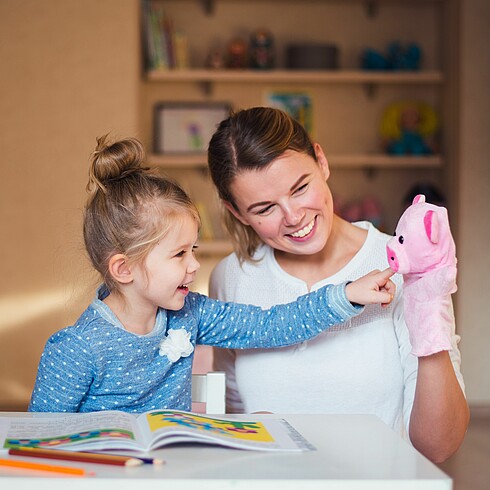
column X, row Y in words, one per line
column 180, row 254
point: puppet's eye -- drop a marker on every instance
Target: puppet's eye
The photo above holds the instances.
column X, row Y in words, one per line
column 400, row 239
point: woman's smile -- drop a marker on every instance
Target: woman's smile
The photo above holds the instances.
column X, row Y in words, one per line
column 305, row 232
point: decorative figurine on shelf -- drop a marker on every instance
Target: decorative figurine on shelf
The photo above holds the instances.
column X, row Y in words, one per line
column 215, row 58
column 409, row 128
column 237, row 54
column 367, row 209
column 262, row 54
column 423, row 251
column 397, row 57
column 431, row 192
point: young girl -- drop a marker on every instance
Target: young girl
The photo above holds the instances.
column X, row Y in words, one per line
column 132, row 348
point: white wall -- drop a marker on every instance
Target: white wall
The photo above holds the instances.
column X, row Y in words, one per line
column 69, row 73
column 473, row 298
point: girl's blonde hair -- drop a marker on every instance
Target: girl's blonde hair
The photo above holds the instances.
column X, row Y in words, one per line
column 251, row 139
column 129, row 208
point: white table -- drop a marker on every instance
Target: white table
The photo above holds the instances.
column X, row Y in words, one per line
column 353, row 452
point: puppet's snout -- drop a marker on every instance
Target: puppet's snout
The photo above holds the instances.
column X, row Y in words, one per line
column 392, row 259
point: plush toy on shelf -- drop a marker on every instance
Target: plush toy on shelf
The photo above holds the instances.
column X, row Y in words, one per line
column 409, row 128
column 423, row 250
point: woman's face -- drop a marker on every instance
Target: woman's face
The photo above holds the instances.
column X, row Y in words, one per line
column 288, row 204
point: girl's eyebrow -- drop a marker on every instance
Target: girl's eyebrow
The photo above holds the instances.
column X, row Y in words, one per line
column 264, row 203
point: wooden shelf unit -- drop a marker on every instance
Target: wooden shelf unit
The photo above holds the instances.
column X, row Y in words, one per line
column 348, row 102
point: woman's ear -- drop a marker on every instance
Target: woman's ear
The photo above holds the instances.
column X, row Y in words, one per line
column 234, row 212
column 119, row 269
column 322, row 160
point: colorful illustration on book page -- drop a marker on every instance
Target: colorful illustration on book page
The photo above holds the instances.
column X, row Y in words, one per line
column 53, row 442
column 236, row 429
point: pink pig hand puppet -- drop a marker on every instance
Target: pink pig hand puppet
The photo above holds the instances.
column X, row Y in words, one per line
column 423, row 251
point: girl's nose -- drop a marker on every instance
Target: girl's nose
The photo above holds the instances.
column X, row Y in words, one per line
column 193, row 265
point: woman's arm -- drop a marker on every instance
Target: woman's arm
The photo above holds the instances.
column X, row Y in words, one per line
column 440, row 414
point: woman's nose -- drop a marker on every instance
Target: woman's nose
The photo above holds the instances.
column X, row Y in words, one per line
column 292, row 216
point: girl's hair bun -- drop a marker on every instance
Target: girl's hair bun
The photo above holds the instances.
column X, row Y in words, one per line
column 114, row 161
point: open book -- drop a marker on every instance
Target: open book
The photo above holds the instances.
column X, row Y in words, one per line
column 114, row 430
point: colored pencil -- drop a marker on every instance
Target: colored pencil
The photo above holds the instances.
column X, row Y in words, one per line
column 26, row 465
column 80, row 457
column 155, row 461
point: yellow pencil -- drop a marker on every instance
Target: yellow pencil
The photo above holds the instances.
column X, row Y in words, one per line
column 25, row 465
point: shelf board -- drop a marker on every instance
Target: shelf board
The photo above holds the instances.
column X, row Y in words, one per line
column 382, row 160
column 214, row 247
column 296, row 76
column 191, row 160
column 336, row 161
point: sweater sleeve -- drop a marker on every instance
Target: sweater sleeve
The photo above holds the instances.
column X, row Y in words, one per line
column 410, row 362
column 64, row 375
column 241, row 326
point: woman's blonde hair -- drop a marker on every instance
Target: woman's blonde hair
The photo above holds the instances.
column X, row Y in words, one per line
column 251, row 139
column 129, row 208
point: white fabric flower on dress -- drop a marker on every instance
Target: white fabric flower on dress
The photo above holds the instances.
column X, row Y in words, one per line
column 176, row 345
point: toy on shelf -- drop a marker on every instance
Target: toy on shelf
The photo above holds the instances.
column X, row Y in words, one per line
column 423, row 250
column 237, row 54
column 409, row 128
column 262, row 54
column 366, row 209
column 216, row 58
column 431, row 192
column 397, row 57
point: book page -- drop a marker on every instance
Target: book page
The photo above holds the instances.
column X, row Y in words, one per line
column 170, row 426
column 97, row 430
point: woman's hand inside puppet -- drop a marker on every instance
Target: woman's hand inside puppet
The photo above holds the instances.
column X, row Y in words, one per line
column 423, row 250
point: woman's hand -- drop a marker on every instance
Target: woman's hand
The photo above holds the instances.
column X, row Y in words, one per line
column 375, row 287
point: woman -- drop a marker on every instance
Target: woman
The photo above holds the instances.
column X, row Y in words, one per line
column 273, row 183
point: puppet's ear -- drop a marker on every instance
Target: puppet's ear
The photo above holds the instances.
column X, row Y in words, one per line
column 418, row 198
column 431, row 224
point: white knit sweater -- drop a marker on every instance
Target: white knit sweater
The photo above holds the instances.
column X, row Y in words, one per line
column 361, row 366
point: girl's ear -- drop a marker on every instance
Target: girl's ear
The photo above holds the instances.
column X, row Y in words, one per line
column 235, row 213
column 120, row 269
column 322, row 160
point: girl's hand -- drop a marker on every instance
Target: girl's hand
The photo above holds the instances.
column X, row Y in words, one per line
column 375, row 287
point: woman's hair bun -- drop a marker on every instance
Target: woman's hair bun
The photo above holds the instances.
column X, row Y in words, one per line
column 112, row 161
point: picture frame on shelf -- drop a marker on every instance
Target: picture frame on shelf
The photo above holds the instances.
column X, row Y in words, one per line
column 298, row 104
column 186, row 127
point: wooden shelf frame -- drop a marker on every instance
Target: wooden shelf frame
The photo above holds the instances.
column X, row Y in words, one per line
column 200, row 75
column 336, row 161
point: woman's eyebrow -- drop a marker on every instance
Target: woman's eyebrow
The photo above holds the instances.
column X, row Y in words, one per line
column 264, row 203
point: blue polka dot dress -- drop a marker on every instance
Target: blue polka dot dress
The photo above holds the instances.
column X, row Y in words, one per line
column 97, row 365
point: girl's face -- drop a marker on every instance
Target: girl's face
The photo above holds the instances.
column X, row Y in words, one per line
column 288, row 204
column 163, row 279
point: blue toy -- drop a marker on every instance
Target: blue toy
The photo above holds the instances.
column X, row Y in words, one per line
column 397, row 57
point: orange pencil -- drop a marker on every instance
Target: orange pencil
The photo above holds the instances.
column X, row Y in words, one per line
column 25, row 465
column 81, row 457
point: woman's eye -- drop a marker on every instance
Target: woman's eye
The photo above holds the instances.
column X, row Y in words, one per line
column 301, row 189
column 265, row 210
